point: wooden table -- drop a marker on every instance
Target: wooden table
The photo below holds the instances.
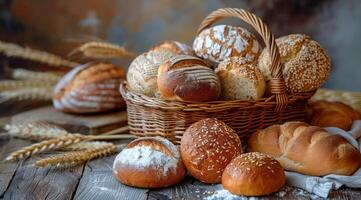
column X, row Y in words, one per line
column 94, row 180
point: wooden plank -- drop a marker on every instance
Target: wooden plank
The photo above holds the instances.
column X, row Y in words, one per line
column 43, row 183
column 98, row 182
column 86, row 124
column 7, row 169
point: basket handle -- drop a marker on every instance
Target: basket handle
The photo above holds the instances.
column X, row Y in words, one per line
column 277, row 82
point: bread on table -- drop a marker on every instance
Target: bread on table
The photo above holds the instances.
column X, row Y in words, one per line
column 149, row 163
column 222, row 41
column 175, row 47
column 331, row 114
column 306, row 149
column 90, row 88
column 142, row 72
column 187, row 78
column 240, row 79
column 306, row 64
column 253, row 174
column 207, row 147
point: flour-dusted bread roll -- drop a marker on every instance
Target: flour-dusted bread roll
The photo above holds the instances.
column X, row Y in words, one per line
column 240, row 79
column 142, row 72
column 187, row 78
column 149, row 163
column 207, row 147
column 253, row 174
column 305, row 63
column 175, row 47
column 90, row 88
column 306, row 149
column 222, row 41
column 331, row 114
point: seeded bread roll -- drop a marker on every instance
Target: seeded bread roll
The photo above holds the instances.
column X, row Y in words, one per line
column 222, row 41
column 207, row 147
column 149, row 163
column 187, row 78
column 240, row 79
column 175, row 47
column 253, row 174
column 306, row 149
column 142, row 72
column 305, row 63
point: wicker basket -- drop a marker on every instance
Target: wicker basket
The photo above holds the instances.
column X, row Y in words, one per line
column 149, row 116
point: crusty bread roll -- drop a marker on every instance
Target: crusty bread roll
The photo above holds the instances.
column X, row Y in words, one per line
column 240, row 79
column 149, row 163
column 187, row 78
column 331, row 114
column 305, row 63
column 207, row 147
column 142, row 72
column 253, row 174
column 222, row 41
column 90, row 88
column 306, row 149
column 175, row 47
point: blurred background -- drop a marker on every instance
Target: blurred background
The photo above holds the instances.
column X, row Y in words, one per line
column 139, row 24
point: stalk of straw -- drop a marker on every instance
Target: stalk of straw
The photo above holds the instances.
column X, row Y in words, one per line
column 21, row 84
column 24, row 74
column 14, row 50
column 36, row 93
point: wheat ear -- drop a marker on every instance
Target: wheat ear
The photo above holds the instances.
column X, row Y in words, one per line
column 14, row 50
column 78, row 157
column 44, row 93
column 101, row 50
column 24, row 74
column 21, row 84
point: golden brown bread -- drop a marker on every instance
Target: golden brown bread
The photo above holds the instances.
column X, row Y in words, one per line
column 331, row 114
column 90, row 88
column 175, row 47
column 187, row 78
column 306, row 149
column 149, row 163
column 207, row 147
column 253, row 174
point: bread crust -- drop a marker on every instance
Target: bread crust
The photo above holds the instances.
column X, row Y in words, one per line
column 175, row 47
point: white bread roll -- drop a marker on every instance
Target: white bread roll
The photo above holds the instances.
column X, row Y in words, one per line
column 306, row 149
column 240, row 79
column 142, row 72
column 222, row 41
column 305, row 63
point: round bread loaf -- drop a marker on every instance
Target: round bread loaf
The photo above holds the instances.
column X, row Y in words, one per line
column 187, row 78
column 149, row 163
column 142, row 72
column 253, row 174
column 90, row 88
column 207, row 147
column 222, row 41
column 240, row 79
column 175, row 47
column 305, row 63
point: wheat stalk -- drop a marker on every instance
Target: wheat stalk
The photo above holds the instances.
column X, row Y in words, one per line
column 21, row 84
column 14, row 50
column 35, row 93
column 101, row 50
column 24, row 74
column 78, row 157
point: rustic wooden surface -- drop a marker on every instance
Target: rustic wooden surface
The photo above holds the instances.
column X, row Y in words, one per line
column 94, row 180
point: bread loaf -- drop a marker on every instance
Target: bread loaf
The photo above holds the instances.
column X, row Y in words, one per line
column 331, row 114
column 222, row 41
column 306, row 149
column 207, row 147
column 90, row 88
column 253, row 174
column 240, row 79
column 142, row 72
column 149, row 163
column 305, row 63
column 175, row 47
column 187, row 78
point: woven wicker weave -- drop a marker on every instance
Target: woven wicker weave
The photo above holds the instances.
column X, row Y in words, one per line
column 149, row 116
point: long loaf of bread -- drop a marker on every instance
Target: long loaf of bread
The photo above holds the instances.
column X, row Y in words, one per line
column 306, row 149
